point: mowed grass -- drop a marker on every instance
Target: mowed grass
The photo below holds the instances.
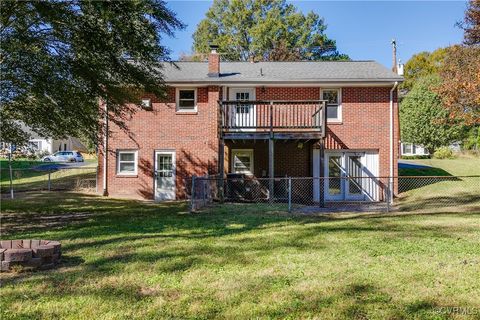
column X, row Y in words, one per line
column 135, row 260
column 26, row 177
column 450, row 190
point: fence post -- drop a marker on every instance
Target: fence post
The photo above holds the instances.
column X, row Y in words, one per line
column 388, row 196
column 192, row 195
column 96, row 179
column 204, row 192
column 289, row 194
column 10, row 171
column 49, row 181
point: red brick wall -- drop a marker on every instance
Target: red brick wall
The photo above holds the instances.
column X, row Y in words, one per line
column 365, row 125
column 289, row 159
column 193, row 136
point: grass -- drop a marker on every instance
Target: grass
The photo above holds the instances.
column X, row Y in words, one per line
column 25, row 178
column 135, row 260
column 449, row 193
column 460, row 166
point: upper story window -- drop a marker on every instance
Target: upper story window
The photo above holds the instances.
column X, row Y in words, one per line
column 147, row 104
column 334, row 104
column 127, row 162
column 187, row 100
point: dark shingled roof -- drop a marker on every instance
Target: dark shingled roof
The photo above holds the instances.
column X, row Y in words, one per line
column 281, row 72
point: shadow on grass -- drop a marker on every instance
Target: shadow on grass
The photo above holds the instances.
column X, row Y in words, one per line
column 68, row 179
column 460, row 202
column 119, row 238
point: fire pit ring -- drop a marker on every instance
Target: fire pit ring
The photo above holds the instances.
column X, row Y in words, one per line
column 30, row 254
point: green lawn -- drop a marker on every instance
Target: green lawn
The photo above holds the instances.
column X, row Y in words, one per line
column 461, row 166
column 135, row 260
column 448, row 194
column 25, row 178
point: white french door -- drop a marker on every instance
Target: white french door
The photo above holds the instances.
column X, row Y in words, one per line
column 351, row 176
column 164, row 175
column 243, row 115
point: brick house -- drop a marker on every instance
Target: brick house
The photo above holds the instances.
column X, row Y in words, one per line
column 264, row 119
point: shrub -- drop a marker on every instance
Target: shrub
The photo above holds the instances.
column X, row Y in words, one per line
column 425, row 156
column 443, row 153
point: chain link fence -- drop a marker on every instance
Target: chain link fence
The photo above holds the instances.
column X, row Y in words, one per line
column 81, row 179
column 345, row 194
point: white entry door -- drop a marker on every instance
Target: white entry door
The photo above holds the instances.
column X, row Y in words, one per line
column 164, row 175
column 351, row 176
column 243, row 115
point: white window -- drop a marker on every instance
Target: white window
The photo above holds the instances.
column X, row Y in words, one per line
column 407, row 148
column 186, row 100
column 35, row 145
column 334, row 104
column 147, row 103
column 242, row 161
column 127, row 162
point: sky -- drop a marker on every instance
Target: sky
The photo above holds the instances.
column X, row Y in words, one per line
column 362, row 29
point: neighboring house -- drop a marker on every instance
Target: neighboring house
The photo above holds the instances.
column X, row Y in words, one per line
column 411, row 149
column 39, row 145
column 49, row 145
column 264, row 119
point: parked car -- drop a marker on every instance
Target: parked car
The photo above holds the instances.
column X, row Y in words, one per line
column 64, row 156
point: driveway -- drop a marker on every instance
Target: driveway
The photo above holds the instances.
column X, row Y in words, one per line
column 402, row 164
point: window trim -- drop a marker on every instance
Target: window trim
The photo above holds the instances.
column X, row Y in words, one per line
column 339, row 118
column 147, row 103
column 252, row 165
column 177, row 100
column 135, row 161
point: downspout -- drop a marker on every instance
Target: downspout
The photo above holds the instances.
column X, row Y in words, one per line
column 105, row 150
column 391, row 141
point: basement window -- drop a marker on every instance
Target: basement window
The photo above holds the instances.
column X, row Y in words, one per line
column 242, row 161
column 186, row 100
column 127, row 162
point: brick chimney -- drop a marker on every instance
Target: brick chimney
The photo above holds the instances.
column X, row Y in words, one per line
column 394, row 56
column 213, row 62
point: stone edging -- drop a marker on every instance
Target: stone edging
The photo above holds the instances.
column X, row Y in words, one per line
column 31, row 254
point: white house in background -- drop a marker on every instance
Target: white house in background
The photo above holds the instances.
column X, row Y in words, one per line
column 38, row 144
column 48, row 145
column 410, row 149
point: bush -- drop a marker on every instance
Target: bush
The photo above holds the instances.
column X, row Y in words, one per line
column 443, row 153
column 425, row 156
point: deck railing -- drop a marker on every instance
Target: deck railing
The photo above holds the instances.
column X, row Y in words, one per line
column 264, row 116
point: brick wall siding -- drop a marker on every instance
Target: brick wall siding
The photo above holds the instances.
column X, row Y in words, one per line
column 365, row 114
column 193, row 136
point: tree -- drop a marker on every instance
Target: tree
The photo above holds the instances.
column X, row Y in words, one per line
column 423, row 118
column 59, row 57
column 421, row 65
column 266, row 30
column 471, row 23
column 460, row 87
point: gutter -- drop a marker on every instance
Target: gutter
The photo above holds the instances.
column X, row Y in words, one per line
column 391, row 142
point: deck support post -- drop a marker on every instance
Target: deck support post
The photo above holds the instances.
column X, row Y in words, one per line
column 221, row 169
column 221, row 151
column 271, row 170
column 322, row 181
